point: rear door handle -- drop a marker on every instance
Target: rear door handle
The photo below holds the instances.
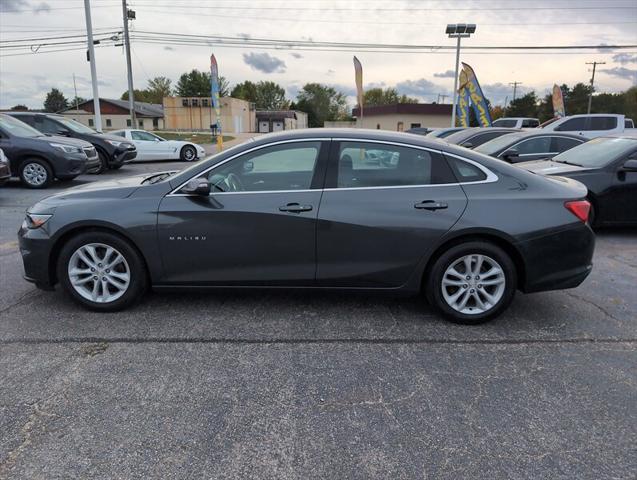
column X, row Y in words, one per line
column 295, row 208
column 431, row 205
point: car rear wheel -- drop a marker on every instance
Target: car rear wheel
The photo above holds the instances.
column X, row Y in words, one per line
column 472, row 283
column 188, row 153
column 101, row 271
column 36, row 173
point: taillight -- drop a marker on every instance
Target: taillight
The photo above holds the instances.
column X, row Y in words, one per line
column 579, row 208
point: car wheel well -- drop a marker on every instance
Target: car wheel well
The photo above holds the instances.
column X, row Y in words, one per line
column 510, row 250
column 26, row 158
column 60, row 242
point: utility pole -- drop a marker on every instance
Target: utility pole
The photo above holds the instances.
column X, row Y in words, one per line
column 91, row 57
column 590, row 95
column 75, row 88
column 441, row 98
column 515, row 88
column 131, row 97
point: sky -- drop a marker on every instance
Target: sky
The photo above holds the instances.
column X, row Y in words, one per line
column 26, row 77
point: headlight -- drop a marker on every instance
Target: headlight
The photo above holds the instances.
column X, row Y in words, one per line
column 34, row 220
column 115, row 143
column 66, row 148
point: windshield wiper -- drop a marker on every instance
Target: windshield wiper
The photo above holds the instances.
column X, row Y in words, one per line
column 156, row 178
column 567, row 163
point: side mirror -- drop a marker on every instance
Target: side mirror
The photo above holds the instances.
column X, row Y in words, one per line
column 248, row 166
column 630, row 165
column 511, row 154
column 467, row 145
column 197, row 186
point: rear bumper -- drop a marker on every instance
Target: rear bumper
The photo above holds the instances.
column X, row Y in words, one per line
column 558, row 260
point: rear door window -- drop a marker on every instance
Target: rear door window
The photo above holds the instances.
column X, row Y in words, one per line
column 534, row 145
column 561, row 144
column 572, row 125
column 602, row 123
column 363, row 164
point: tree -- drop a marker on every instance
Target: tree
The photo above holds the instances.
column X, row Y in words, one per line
column 55, row 101
column 76, row 101
column 197, row 84
column 322, row 103
column 140, row 96
column 19, row 108
column 378, row 96
column 265, row 95
column 158, row 88
column 246, row 91
column 525, row 106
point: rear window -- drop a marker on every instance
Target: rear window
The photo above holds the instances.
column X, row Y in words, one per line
column 572, row 125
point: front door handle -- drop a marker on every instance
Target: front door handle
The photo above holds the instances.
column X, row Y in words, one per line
column 430, row 205
column 295, row 208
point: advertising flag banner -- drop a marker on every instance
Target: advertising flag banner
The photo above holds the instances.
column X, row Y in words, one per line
column 558, row 102
column 480, row 106
column 358, row 74
column 462, row 108
column 214, row 94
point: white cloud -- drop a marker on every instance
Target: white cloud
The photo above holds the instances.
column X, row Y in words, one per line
column 264, row 62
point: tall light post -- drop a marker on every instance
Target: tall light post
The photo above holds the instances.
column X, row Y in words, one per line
column 458, row 30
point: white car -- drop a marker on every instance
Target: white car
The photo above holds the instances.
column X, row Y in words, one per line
column 516, row 122
column 153, row 147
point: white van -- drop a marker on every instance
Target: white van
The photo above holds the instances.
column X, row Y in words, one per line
column 590, row 126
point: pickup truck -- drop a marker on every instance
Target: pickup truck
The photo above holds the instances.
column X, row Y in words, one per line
column 590, row 126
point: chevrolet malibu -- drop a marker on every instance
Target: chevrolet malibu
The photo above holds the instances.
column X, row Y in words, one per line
column 304, row 209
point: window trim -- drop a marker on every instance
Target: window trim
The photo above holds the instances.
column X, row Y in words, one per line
column 173, row 193
column 539, row 153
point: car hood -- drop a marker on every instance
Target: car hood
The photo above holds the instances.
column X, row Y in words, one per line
column 548, row 167
column 76, row 142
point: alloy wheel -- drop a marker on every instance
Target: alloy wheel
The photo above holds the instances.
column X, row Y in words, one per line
column 473, row 284
column 189, row 154
column 99, row 273
column 35, row 174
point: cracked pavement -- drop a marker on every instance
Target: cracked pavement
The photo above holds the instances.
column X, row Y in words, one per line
column 316, row 385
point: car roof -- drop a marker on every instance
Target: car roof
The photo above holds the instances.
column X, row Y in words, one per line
column 462, row 135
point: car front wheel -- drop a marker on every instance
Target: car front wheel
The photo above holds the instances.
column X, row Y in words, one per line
column 188, row 153
column 36, row 173
column 101, row 271
column 472, row 283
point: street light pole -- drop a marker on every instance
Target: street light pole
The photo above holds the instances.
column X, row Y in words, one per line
column 455, row 86
column 458, row 30
column 91, row 57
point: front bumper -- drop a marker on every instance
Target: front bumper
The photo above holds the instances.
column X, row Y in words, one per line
column 74, row 164
column 35, row 248
column 557, row 260
column 120, row 157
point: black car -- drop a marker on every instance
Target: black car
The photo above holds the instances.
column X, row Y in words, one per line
column 5, row 171
column 112, row 150
column 303, row 209
column 474, row 137
column 525, row 146
column 608, row 168
column 37, row 158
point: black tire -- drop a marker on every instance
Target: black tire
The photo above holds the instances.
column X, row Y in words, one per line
column 138, row 278
column 188, row 153
column 103, row 166
column 36, row 173
column 117, row 167
column 434, row 283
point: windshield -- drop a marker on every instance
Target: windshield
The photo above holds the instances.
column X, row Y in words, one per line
column 75, row 126
column 506, row 123
column 18, row 128
column 498, row 143
column 598, row 152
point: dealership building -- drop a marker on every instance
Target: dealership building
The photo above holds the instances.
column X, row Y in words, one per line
column 403, row 116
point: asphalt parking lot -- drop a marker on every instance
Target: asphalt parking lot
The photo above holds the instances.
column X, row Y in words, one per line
column 316, row 385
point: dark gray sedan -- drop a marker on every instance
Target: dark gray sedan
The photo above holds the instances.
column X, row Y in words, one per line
column 305, row 209
column 527, row 146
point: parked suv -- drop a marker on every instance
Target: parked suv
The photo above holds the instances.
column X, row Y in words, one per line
column 37, row 158
column 113, row 152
